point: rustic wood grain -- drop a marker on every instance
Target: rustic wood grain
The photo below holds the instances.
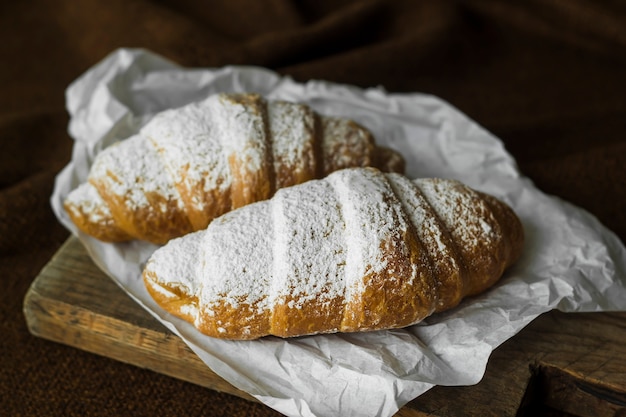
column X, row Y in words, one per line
column 75, row 303
column 575, row 363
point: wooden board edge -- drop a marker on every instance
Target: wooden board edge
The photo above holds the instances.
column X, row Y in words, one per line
column 161, row 352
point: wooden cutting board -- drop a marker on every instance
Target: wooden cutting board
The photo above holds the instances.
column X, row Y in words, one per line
column 561, row 364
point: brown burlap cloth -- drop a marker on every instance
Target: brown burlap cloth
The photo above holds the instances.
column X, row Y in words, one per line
column 548, row 77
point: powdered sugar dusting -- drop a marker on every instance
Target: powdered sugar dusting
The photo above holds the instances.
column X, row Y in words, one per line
column 370, row 222
column 464, row 213
column 190, row 146
column 241, row 130
column 429, row 230
column 435, row 239
column 177, row 265
column 291, row 128
column 309, row 253
column 342, row 139
column 237, row 258
column 86, row 199
column 132, row 169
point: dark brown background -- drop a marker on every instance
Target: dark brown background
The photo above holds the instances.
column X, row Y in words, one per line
column 548, row 77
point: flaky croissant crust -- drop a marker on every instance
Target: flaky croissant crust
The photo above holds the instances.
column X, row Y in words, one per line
column 358, row 250
column 192, row 164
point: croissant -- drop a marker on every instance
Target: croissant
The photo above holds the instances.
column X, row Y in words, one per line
column 188, row 165
column 359, row 250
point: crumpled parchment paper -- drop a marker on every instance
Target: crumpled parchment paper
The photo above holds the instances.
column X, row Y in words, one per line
column 570, row 262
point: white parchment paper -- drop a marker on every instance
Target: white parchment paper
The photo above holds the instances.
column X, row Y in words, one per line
column 571, row 262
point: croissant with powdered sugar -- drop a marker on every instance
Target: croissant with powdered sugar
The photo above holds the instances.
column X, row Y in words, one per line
column 188, row 165
column 358, row 250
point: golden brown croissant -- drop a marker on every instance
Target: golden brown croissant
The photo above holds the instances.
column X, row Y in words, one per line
column 191, row 164
column 359, row 250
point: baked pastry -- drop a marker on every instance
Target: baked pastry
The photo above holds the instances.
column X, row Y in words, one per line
column 188, row 165
column 359, row 250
